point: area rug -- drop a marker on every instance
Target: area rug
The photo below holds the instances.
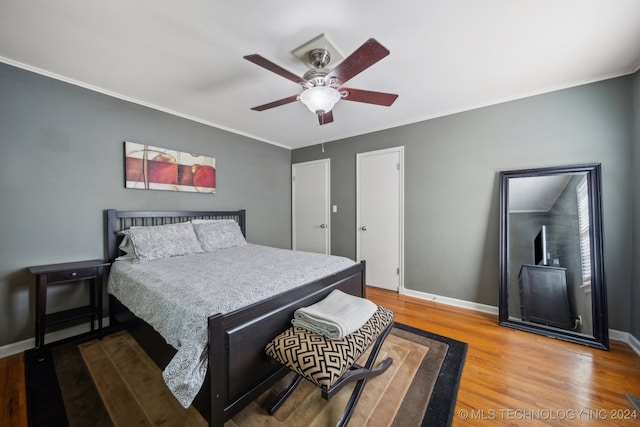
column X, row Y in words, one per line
column 112, row 382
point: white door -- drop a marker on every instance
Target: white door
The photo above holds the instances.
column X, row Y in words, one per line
column 310, row 206
column 379, row 192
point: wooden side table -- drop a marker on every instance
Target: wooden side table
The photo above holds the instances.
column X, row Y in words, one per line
column 69, row 272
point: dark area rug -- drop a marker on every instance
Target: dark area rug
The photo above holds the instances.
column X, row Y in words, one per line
column 60, row 365
column 443, row 397
column 62, row 392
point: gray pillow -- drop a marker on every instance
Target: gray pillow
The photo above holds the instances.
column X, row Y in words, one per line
column 164, row 241
column 218, row 234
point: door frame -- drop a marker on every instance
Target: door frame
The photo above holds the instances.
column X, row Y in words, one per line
column 400, row 150
column 327, row 167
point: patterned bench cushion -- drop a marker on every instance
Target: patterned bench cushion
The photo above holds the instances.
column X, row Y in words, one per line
column 322, row 360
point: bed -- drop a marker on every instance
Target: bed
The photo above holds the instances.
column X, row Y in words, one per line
column 237, row 368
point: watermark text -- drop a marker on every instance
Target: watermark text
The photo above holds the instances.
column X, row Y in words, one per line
column 521, row 414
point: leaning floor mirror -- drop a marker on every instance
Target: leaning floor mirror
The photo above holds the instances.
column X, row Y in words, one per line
column 552, row 278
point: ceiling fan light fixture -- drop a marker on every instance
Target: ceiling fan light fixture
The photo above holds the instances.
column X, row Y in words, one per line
column 322, row 88
column 320, row 99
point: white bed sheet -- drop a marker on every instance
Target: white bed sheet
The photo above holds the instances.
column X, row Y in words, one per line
column 177, row 295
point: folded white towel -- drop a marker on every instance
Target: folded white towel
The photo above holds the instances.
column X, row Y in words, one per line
column 336, row 316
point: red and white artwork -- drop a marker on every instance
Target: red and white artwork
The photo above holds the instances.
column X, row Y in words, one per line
column 154, row 168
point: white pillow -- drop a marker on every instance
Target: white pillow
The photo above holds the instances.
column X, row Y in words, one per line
column 163, row 241
column 218, row 234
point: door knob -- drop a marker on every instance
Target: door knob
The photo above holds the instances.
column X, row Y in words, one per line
column 323, row 225
column 363, row 228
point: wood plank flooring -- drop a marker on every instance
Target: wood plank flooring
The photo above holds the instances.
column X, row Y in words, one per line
column 13, row 399
column 510, row 377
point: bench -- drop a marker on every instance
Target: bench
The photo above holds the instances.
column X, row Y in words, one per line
column 331, row 364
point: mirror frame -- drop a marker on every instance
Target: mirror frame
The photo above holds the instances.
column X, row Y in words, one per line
column 600, row 337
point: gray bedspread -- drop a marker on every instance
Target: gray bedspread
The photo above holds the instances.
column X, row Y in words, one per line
column 177, row 295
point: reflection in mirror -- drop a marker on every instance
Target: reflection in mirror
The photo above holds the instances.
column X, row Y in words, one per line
column 552, row 278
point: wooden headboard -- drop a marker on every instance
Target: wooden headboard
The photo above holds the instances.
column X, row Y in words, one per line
column 116, row 221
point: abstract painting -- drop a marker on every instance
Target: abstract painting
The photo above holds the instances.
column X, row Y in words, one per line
column 154, row 168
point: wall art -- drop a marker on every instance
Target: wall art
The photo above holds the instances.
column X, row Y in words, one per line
column 153, row 168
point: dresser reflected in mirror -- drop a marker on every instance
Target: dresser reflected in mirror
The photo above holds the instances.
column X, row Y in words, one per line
column 551, row 253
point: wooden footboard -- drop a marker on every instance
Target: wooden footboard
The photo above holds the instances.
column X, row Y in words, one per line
column 239, row 370
column 242, row 371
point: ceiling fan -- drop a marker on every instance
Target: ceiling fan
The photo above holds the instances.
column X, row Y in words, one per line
column 322, row 88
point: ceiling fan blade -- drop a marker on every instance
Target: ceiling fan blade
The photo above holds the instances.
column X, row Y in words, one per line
column 265, row 63
column 277, row 103
column 368, row 96
column 364, row 57
column 325, row 118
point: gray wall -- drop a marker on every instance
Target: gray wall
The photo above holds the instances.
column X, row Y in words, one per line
column 61, row 165
column 634, row 301
column 451, row 184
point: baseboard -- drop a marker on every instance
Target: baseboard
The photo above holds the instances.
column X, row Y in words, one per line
column 484, row 308
column 634, row 343
column 20, row 346
column 626, row 338
column 614, row 334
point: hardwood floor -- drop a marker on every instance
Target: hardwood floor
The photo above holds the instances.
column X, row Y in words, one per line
column 13, row 399
column 512, row 377
column 509, row 378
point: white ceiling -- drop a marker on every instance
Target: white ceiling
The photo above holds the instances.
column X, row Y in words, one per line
column 446, row 56
column 536, row 193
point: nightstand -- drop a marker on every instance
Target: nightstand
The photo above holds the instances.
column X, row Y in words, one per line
column 69, row 272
